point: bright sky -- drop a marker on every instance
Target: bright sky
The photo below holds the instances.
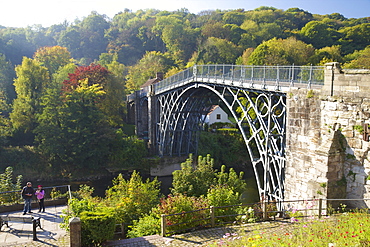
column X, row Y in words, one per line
column 23, row 13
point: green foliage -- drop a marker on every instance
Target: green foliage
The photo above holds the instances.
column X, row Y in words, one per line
column 359, row 59
column 197, row 179
column 359, row 128
column 281, row 52
column 226, row 147
column 30, row 85
column 310, row 94
column 223, row 195
column 132, row 199
column 97, row 227
column 181, row 203
column 7, row 184
column 194, row 179
column 81, row 202
column 129, row 152
column 145, row 226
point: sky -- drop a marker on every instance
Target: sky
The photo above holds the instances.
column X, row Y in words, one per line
column 23, row 13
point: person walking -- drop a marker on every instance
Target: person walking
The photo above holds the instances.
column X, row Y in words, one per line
column 40, row 194
column 27, row 193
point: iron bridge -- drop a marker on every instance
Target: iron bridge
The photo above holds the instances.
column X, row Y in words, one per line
column 255, row 96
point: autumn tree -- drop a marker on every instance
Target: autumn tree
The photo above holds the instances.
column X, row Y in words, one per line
column 52, row 57
column 78, row 135
column 30, row 85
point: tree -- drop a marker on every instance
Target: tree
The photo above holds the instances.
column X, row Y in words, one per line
column 146, row 68
column 112, row 103
column 281, row 52
column 52, row 57
column 132, row 198
column 179, row 37
column 218, row 51
column 326, row 55
column 7, row 75
column 77, row 135
column 319, row 34
column 233, row 17
column 7, row 184
column 93, row 40
column 195, row 179
column 94, row 73
column 71, row 39
column 30, row 85
column 355, row 38
column 359, row 60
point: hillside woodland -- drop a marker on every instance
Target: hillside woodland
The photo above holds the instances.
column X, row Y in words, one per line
column 63, row 87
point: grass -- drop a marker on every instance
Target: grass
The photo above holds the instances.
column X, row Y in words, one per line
column 346, row 229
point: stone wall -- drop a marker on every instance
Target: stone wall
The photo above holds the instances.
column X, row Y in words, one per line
column 327, row 156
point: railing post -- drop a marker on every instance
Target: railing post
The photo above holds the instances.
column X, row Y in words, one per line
column 34, row 225
column 264, row 210
column 69, row 192
column 163, row 225
column 320, row 207
column 75, row 232
column 310, row 79
column 212, row 212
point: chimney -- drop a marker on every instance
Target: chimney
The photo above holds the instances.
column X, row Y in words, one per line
column 160, row 76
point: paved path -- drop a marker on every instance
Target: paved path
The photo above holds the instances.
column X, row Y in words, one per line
column 20, row 234
column 203, row 237
column 51, row 235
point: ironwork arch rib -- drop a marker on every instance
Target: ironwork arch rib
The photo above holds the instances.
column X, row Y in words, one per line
column 260, row 116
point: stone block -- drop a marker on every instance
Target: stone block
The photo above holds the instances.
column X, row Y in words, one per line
column 355, row 143
column 348, row 133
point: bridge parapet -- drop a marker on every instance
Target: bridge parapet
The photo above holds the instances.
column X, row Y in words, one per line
column 246, row 76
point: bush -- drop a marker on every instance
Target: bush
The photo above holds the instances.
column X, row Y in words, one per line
column 7, row 184
column 221, row 195
column 180, row 204
column 145, row 226
column 96, row 227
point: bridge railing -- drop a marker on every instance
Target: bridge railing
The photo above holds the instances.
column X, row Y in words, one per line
column 53, row 192
column 247, row 76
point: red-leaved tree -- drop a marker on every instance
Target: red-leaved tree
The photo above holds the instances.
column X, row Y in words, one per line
column 94, row 73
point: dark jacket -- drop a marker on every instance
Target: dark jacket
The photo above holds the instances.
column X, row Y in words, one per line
column 27, row 190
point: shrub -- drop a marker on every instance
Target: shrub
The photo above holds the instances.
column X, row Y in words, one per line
column 222, row 195
column 82, row 202
column 96, row 227
column 132, row 198
column 180, row 204
column 6, row 184
column 145, row 226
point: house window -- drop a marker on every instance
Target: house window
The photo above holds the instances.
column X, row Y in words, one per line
column 218, row 116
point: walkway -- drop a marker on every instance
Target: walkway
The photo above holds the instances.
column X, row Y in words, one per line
column 51, row 235
column 20, row 234
column 203, row 237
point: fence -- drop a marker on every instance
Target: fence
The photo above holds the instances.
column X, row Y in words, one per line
column 53, row 192
column 245, row 213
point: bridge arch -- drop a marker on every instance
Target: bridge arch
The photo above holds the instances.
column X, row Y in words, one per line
column 259, row 114
column 253, row 95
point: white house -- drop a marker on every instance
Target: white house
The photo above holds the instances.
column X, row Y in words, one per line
column 216, row 115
